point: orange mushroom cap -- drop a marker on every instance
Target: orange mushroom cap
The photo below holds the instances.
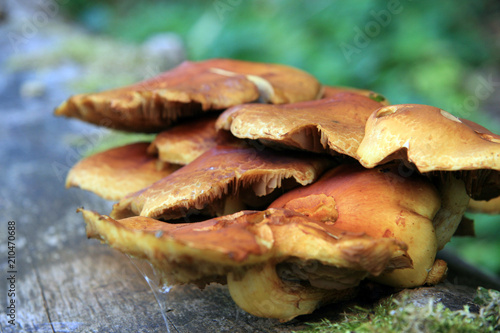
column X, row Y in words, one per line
column 222, row 172
column 247, row 248
column 190, row 89
column 379, row 202
column 335, row 125
column 114, row 173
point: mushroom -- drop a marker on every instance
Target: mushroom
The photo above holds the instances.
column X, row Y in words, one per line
column 381, row 203
column 114, row 173
column 434, row 140
column 212, row 183
column 491, row 206
column 334, row 125
column 312, row 244
column 329, row 92
column 185, row 142
column 277, row 263
column 190, row 89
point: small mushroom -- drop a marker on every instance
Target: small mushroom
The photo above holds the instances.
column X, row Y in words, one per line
column 190, row 89
column 277, row 263
column 491, row 206
column 333, row 125
column 434, row 141
column 114, row 173
column 185, row 142
column 381, row 203
column 219, row 174
column 329, row 92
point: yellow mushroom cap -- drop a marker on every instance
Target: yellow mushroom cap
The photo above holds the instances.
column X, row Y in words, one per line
column 434, row 140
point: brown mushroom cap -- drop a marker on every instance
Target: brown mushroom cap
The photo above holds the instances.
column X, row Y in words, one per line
column 334, row 125
column 434, row 140
column 278, row 84
column 222, row 172
column 114, row 173
column 247, row 247
column 380, row 203
column 183, row 143
column 329, row 91
column 190, row 89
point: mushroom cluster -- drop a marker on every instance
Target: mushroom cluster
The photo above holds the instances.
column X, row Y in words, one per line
column 290, row 192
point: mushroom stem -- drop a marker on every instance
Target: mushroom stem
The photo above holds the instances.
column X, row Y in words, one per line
column 454, row 202
column 261, row 292
column 233, row 205
column 437, row 273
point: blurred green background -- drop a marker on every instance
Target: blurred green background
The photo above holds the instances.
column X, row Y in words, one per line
column 443, row 53
column 410, row 51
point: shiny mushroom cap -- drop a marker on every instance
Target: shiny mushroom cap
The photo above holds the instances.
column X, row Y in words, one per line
column 381, row 203
column 434, row 140
column 277, row 263
column 220, row 173
column 334, row 125
column 114, row 173
column 277, row 84
column 190, row 89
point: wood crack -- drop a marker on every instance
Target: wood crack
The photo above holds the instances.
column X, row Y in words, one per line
column 40, row 285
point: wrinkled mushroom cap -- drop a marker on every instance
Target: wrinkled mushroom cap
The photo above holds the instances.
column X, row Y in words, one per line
column 222, row 172
column 114, row 173
column 434, row 140
column 335, row 125
column 247, row 246
column 379, row 202
column 190, row 89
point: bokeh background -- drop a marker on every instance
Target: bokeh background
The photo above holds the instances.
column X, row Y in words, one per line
column 445, row 54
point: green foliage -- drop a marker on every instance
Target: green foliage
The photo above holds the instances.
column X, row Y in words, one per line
column 483, row 249
column 410, row 51
column 393, row 316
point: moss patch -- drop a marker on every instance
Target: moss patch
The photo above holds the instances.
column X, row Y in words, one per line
column 402, row 315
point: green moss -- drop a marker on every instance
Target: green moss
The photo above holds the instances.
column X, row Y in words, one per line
column 402, row 315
